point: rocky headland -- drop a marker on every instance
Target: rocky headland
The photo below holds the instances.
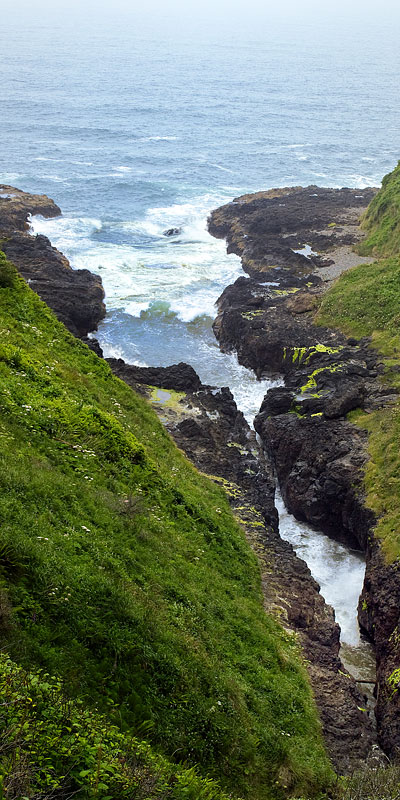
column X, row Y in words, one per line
column 317, row 454
column 75, row 295
column 293, row 243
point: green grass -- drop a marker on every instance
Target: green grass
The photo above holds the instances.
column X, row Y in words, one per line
column 382, row 219
column 51, row 746
column 124, row 573
column 365, row 301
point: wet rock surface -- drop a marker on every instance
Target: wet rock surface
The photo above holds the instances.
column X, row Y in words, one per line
column 318, row 454
column 76, row 296
column 180, row 377
column 267, row 228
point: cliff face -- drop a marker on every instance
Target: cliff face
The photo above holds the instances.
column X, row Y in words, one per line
column 272, row 320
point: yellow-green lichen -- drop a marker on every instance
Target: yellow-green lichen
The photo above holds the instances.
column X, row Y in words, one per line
column 167, row 398
column 304, row 354
column 284, row 292
column 242, row 450
column 312, row 383
column 252, row 314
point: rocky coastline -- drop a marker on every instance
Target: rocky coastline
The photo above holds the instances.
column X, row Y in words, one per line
column 293, row 243
column 271, row 329
column 76, row 296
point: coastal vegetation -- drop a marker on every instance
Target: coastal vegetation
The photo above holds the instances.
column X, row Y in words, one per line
column 364, row 302
column 382, row 219
column 137, row 659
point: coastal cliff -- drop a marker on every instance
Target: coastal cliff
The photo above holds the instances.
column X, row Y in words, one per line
column 318, row 454
column 76, row 296
column 336, row 347
column 214, row 435
column 131, row 602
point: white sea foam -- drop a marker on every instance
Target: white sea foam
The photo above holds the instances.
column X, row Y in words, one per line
column 69, row 234
column 46, row 158
column 247, row 390
column 223, row 169
column 185, row 273
column 114, row 351
column 332, row 565
column 55, row 178
column 135, row 308
column 158, row 138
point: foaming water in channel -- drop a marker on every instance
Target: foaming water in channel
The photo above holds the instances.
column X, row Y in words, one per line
column 340, row 574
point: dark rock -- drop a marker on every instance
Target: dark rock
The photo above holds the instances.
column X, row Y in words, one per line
column 172, row 232
column 343, row 401
column 318, row 455
column 277, row 401
column 179, row 377
column 16, row 206
column 93, row 344
column 266, row 228
column 76, row 296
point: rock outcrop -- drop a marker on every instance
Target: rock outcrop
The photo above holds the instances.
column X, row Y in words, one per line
column 318, row 454
column 76, row 296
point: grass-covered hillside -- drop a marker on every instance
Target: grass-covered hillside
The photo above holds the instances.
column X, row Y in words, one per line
column 365, row 301
column 130, row 602
column 382, row 219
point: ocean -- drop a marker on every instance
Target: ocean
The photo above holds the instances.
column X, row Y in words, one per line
column 135, row 125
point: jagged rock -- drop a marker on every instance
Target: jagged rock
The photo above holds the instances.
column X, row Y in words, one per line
column 179, row 377
column 172, row 232
column 277, row 401
column 93, row 344
column 76, row 296
column 318, row 455
column 16, row 206
column 266, row 228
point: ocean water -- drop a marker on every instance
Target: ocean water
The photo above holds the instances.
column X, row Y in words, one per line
column 135, row 124
column 138, row 122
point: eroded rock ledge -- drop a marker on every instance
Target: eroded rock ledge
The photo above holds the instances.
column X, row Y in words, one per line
column 319, row 455
column 76, row 296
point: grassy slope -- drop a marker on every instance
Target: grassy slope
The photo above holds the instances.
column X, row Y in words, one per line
column 382, row 219
column 366, row 302
column 125, row 574
column 54, row 747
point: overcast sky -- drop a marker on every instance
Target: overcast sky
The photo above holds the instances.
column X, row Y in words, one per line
column 260, row 9
column 371, row 22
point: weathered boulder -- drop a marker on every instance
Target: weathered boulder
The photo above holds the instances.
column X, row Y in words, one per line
column 179, row 377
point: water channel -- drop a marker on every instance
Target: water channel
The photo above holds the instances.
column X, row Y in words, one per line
column 160, row 295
